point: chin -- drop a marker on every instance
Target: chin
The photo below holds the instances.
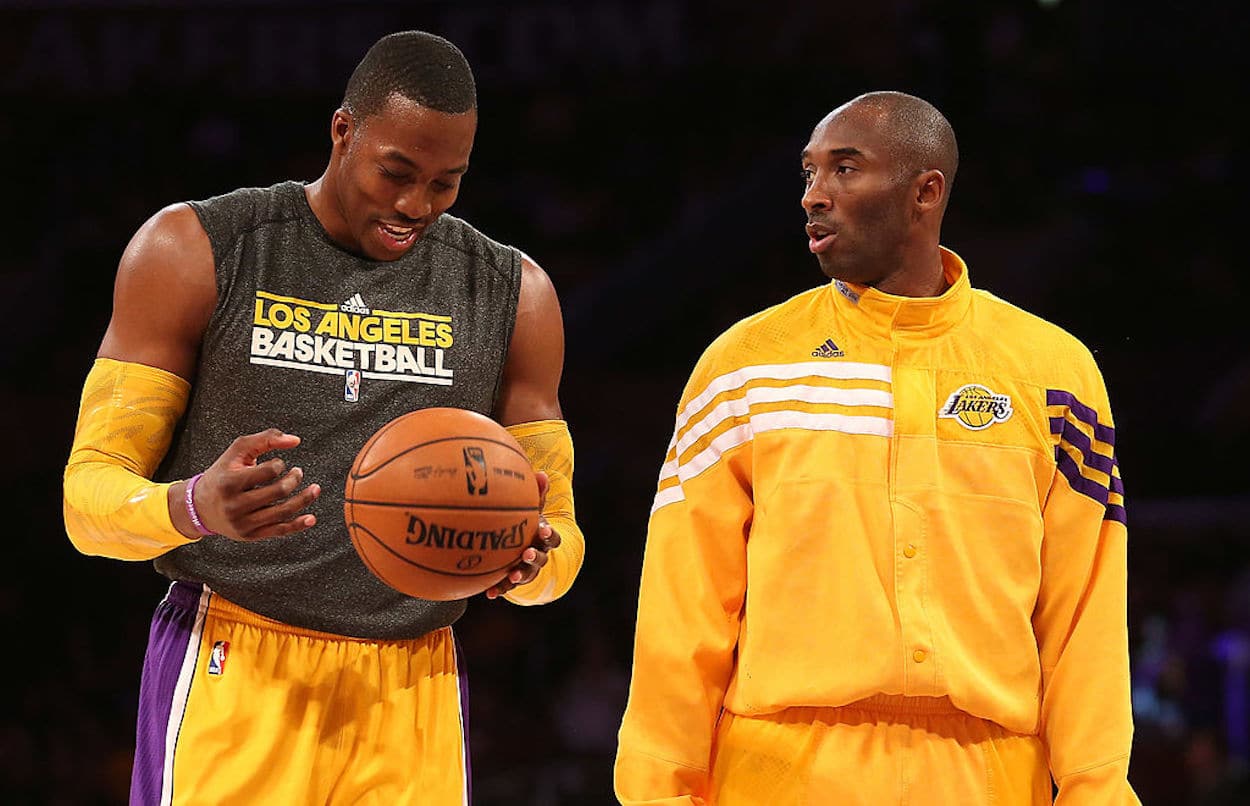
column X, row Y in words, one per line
column 831, row 269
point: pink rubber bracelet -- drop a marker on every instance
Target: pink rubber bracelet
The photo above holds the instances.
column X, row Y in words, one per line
column 190, row 499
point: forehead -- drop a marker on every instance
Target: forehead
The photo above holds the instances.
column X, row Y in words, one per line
column 412, row 128
column 845, row 129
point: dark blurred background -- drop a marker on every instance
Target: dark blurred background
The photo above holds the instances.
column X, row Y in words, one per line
column 645, row 153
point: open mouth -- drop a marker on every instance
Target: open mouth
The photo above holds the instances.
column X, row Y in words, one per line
column 819, row 238
column 397, row 237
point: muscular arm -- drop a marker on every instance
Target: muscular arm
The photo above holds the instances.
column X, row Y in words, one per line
column 529, row 406
column 531, row 375
column 137, row 390
column 164, row 294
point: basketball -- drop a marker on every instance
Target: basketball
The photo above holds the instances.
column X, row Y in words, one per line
column 440, row 503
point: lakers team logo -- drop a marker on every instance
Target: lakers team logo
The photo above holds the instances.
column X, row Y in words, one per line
column 976, row 408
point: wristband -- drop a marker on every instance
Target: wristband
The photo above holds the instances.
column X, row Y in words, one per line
column 190, row 499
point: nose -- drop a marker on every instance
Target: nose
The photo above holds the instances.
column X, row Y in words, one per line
column 414, row 203
column 816, row 198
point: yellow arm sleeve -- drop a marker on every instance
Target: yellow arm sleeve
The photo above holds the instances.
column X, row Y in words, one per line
column 549, row 447
column 126, row 422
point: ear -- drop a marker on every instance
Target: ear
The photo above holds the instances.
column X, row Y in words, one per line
column 342, row 126
column 930, row 189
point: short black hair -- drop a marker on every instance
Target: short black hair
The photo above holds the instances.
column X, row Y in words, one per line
column 424, row 68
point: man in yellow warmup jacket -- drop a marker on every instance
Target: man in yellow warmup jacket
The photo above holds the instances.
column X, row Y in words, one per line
column 886, row 558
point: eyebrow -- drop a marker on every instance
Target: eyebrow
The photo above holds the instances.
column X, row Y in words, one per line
column 848, row 151
column 392, row 154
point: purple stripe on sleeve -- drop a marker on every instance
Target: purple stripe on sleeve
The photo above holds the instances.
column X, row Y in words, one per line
column 1087, row 487
column 1117, row 484
column 1077, row 439
column 173, row 628
column 1058, row 397
column 1090, row 488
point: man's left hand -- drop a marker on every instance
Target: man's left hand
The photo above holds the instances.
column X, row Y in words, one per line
column 535, row 556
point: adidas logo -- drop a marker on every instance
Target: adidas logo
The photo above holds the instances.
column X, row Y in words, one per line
column 827, row 350
column 354, row 305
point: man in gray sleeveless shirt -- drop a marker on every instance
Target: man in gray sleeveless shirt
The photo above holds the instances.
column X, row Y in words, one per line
column 232, row 389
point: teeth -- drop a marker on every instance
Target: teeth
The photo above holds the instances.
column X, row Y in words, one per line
column 398, row 232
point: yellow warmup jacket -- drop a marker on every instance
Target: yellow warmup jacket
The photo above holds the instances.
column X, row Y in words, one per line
column 868, row 494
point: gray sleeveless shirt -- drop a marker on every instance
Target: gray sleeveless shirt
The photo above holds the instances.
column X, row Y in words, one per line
column 330, row 346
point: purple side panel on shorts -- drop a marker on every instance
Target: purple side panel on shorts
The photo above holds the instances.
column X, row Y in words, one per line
column 173, row 627
column 463, row 674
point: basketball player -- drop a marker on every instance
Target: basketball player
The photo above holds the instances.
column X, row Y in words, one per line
column 257, row 339
column 886, row 558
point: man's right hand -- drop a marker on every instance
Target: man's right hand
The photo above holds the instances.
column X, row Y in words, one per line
column 243, row 499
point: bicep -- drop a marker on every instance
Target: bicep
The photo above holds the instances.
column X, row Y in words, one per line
column 163, row 295
column 531, row 375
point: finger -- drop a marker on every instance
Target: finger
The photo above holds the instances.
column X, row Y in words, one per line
column 499, row 588
column 546, row 537
column 247, row 449
column 244, row 493
column 527, row 569
column 281, row 511
column 270, row 490
column 260, row 483
column 281, row 529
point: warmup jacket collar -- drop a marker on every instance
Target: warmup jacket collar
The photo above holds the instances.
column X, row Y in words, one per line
column 891, row 316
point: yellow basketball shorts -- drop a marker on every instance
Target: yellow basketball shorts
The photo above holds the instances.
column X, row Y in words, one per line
column 236, row 708
column 884, row 751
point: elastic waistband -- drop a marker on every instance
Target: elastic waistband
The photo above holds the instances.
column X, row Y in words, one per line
column 194, row 595
column 899, row 704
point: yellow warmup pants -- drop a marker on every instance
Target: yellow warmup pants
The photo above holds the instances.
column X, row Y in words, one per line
column 236, row 708
column 884, row 751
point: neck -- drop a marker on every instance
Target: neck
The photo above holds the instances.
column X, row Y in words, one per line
column 320, row 195
column 315, row 192
column 920, row 273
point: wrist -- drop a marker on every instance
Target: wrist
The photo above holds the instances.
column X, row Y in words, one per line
column 177, row 500
column 193, row 515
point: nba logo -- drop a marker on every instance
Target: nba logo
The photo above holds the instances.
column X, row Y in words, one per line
column 475, row 470
column 351, row 386
column 217, row 658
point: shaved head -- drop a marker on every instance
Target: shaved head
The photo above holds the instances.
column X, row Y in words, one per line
column 919, row 137
column 877, row 174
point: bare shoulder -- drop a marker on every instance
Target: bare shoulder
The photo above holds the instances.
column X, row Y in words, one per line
column 538, row 293
column 173, row 233
column 531, row 378
column 164, row 293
